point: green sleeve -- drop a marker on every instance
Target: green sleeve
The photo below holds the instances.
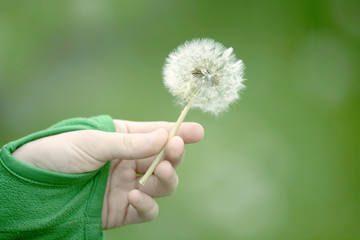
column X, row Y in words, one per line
column 41, row 204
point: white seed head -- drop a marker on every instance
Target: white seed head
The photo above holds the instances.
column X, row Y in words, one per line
column 205, row 72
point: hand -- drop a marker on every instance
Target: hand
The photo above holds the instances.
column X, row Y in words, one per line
column 132, row 149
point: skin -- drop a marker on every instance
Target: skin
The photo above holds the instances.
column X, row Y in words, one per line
column 131, row 149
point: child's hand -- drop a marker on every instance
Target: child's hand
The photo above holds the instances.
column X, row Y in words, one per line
column 132, row 149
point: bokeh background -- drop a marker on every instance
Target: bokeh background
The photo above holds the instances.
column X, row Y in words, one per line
column 283, row 163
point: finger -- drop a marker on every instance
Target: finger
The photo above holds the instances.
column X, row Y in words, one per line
column 174, row 153
column 142, row 208
column 104, row 146
column 190, row 132
column 162, row 183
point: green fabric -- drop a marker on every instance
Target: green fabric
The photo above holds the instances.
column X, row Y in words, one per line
column 41, row 204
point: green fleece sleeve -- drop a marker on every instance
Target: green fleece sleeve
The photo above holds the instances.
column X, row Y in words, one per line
column 41, row 204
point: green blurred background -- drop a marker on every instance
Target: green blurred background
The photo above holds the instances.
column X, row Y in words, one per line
column 283, row 163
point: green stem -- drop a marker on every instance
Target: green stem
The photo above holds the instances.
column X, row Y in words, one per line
column 152, row 167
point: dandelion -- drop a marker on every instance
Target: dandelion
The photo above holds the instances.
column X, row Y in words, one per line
column 203, row 74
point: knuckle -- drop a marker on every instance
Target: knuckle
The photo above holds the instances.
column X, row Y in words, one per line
column 127, row 145
column 152, row 213
column 174, row 185
column 169, row 187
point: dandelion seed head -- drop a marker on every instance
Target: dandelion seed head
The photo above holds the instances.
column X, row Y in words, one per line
column 205, row 72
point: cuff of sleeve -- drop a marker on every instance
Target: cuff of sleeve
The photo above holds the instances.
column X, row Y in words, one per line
column 41, row 176
column 46, row 203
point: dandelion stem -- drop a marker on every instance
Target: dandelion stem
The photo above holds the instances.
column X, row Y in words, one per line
column 152, row 167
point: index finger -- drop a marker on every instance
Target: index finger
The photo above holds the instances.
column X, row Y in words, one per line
column 190, row 132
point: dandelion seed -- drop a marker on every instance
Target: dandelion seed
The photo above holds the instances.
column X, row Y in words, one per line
column 204, row 74
column 207, row 69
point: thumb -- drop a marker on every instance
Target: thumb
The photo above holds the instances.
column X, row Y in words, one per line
column 106, row 146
